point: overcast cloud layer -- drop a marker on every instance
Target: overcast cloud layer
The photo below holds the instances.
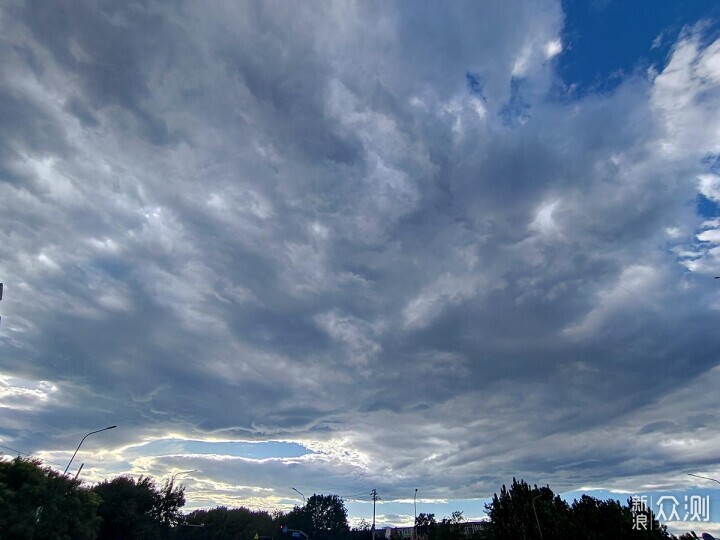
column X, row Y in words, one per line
column 387, row 232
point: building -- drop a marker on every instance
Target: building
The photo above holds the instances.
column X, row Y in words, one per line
column 467, row 530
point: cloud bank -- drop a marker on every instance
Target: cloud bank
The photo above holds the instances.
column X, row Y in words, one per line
column 388, row 233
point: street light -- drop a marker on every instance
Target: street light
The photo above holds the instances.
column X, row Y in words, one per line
column 79, row 445
column 303, row 496
column 172, row 479
column 415, row 522
column 705, row 477
column 534, row 512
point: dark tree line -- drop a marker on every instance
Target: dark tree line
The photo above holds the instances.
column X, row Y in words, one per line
column 323, row 517
column 448, row 528
column 522, row 512
column 38, row 503
column 512, row 515
column 222, row 523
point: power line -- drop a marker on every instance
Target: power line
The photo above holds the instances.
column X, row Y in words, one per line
column 365, row 495
column 13, row 449
column 20, row 452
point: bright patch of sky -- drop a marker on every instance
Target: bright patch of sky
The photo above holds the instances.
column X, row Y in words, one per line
column 250, row 450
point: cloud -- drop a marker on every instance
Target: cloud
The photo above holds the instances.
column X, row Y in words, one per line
column 553, row 48
column 710, row 186
column 275, row 222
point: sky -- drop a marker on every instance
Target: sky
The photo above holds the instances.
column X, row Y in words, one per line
column 343, row 246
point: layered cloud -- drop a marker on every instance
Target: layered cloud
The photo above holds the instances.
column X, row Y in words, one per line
column 389, row 234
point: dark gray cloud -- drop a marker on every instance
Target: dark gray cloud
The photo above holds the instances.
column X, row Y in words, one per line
column 370, row 229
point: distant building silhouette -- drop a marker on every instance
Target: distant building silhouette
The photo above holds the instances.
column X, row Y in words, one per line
column 467, row 529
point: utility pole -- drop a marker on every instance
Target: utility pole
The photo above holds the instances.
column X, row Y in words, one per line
column 375, row 498
column 415, row 522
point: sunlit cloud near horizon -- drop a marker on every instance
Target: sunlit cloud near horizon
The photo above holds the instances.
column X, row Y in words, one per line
column 346, row 246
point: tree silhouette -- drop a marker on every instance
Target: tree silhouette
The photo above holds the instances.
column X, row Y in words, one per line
column 450, row 528
column 426, row 526
column 137, row 510
column 222, row 523
column 328, row 516
column 38, row 502
column 512, row 516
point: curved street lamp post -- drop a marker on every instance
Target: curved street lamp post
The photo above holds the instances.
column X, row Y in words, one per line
column 172, row 478
column 704, row 477
column 303, row 496
column 82, row 441
column 57, row 486
column 535, row 512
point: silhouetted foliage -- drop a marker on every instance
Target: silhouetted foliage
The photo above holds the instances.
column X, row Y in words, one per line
column 450, row 528
column 362, row 531
column 137, row 510
column 324, row 517
column 426, row 526
column 37, row 502
column 328, row 515
column 512, row 516
column 595, row 519
column 225, row 524
column 299, row 519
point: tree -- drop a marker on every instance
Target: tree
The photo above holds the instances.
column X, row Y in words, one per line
column 326, row 515
column 298, row 519
column 38, row 502
column 596, row 519
column 172, row 499
column 361, row 531
column 362, row 525
column 222, row 523
column 450, row 528
column 512, row 515
column 426, row 526
column 137, row 510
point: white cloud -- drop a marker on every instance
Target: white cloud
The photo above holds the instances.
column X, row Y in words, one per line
column 712, row 235
column 709, row 186
column 18, row 393
column 553, row 48
column 522, row 62
column 686, row 97
column 544, row 222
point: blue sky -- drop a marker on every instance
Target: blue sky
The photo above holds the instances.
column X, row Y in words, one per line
column 349, row 246
column 608, row 40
